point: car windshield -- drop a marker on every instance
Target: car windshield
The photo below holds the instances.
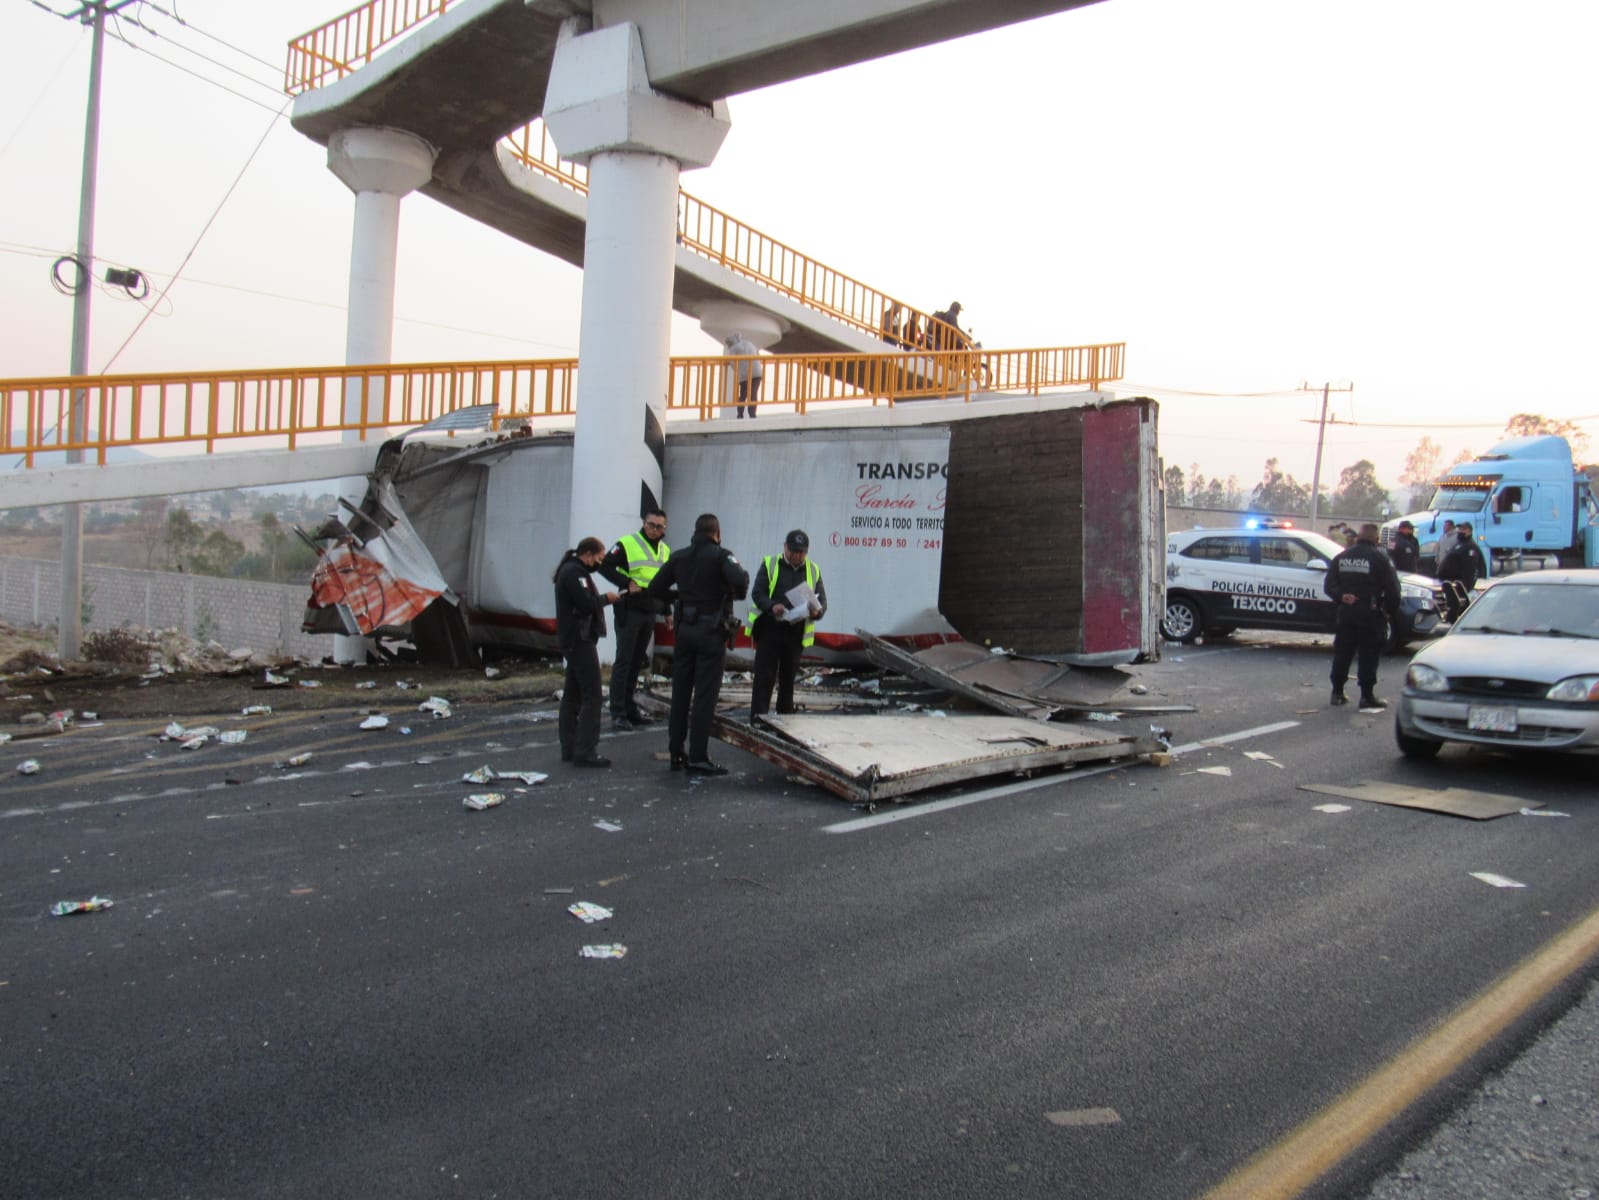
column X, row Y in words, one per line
column 1448, row 499
column 1324, row 547
column 1533, row 610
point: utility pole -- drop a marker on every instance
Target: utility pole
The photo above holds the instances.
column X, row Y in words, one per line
column 70, row 626
column 1321, row 433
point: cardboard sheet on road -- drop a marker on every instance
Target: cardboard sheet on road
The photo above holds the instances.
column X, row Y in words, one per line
column 1456, row 802
column 890, row 755
column 1014, row 685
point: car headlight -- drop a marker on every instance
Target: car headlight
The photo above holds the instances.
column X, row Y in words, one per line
column 1414, row 591
column 1425, row 679
column 1578, row 687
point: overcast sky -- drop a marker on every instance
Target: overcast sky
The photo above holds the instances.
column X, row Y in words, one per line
column 1251, row 194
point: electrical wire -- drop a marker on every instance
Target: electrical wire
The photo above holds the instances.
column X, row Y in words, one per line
column 173, row 16
column 279, row 112
column 565, row 348
column 39, row 96
column 226, row 196
column 248, row 78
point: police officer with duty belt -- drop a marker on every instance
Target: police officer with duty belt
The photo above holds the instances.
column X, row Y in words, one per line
column 706, row 579
column 630, row 565
column 1365, row 586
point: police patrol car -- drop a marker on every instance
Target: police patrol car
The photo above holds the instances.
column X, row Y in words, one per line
column 1268, row 575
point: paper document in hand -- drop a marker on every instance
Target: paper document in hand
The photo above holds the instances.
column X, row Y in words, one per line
column 798, row 602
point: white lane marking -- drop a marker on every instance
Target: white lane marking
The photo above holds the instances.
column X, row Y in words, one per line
column 1027, row 785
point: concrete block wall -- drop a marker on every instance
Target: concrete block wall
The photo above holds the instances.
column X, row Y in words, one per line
column 236, row 612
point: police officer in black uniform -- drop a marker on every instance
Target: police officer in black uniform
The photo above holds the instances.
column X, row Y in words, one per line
column 1363, row 582
column 1406, row 553
column 580, row 624
column 707, row 580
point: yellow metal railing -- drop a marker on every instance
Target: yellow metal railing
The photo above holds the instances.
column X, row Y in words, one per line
column 286, row 407
column 745, row 250
column 332, row 51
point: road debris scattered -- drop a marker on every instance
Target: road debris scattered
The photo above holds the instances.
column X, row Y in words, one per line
column 614, row 950
column 589, row 913
column 28, row 766
column 233, row 737
column 437, row 705
column 1498, row 881
column 478, row 801
column 608, row 826
column 67, row 908
column 257, row 710
column 375, row 722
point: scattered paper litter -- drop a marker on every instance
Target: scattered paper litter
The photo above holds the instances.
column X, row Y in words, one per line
column 437, row 705
column 377, row 722
column 194, row 743
column 589, row 913
column 274, row 680
column 1333, row 808
column 299, row 760
column 4, row 738
column 1498, row 881
column 310, row 683
column 1080, row 1117
column 614, row 950
column 1215, row 770
column 233, row 737
column 1542, row 812
column 28, row 766
column 491, row 672
column 366, row 685
column 608, row 826
column 66, row 908
column 478, row 801
column 258, row 710
column 173, row 732
column 527, row 777
column 484, row 774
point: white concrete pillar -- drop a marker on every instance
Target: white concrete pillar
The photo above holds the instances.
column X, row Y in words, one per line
column 381, row 166
column 602, row 112
column 723, row 318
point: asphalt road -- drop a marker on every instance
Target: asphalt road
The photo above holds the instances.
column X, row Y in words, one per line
column 333, row 980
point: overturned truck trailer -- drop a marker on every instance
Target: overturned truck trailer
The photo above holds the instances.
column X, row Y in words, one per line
column 1035, row 524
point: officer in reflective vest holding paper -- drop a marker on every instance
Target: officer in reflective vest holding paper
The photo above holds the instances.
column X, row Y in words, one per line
column 630, row 565
column 789, row 599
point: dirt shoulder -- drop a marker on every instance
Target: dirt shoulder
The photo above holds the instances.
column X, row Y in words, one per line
column 194, row 682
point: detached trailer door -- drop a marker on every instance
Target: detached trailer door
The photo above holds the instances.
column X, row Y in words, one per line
column 1055, row 531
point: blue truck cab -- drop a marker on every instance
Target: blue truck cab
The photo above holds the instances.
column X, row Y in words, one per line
column 1525, row 499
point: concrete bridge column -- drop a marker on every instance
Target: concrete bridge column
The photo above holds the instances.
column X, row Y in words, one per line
column 382, row 167
column 601, row 111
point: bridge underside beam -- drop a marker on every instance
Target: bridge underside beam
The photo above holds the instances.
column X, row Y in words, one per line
column 190, row 473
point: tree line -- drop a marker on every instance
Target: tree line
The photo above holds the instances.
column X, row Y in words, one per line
column 1359, row 493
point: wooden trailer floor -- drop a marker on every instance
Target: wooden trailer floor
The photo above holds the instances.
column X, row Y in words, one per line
column 891, row 756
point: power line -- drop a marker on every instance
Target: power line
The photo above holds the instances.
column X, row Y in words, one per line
column 173, row 16
column 246, row 76
column 226, row 196
column 203, row 78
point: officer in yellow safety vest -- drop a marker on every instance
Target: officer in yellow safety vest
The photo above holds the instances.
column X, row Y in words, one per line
column 630, row 565
column 781, row 635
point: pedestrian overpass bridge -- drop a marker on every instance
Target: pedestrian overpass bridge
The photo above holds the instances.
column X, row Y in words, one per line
column 470, row 77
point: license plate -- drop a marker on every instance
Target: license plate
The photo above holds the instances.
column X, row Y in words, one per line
column 1491, row 720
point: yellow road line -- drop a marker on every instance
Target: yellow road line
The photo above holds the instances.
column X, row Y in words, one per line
column 1298, row 1160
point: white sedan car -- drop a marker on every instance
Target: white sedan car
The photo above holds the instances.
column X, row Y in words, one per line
column 1519, row 669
